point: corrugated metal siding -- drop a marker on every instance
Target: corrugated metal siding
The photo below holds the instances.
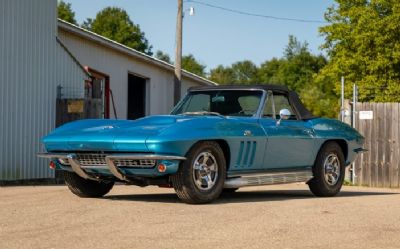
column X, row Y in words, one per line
column 70, row 76
column 32, row 64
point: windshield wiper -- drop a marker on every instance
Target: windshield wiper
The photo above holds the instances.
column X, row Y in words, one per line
column 203, row 113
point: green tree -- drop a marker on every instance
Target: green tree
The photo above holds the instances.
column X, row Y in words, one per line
column 297, row 70
column 163, row 56
column 363, row 43
column 241, row 72
column 189, row 63
column 115, row 24
column 245, row 72
column 64, row 12
column 222, row 75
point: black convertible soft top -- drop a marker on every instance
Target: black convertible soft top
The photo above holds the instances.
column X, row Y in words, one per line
column 294, row 99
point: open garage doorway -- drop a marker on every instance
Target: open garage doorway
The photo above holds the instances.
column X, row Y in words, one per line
column 136, row 96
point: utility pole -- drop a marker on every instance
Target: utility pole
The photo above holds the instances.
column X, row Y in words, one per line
column 178, row 54
column 342, row 101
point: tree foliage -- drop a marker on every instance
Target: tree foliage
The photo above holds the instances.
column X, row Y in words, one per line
column 244, row 72
column 189, row 63
column 115, row 24
column 64, row 12
column 363, row 43
column 297, row 69
column 222, row 75
column 163, row 56
column 241, row 72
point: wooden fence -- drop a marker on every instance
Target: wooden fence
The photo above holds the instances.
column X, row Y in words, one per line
column 380, row 165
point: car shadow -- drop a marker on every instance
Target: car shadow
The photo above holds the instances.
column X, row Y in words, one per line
column 243, row 196
column 282, row 195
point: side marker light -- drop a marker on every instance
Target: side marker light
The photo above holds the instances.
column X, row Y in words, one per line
column 161, row 168
column 52, row 165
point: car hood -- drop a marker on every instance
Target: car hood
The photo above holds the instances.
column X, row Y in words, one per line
column 108, row 135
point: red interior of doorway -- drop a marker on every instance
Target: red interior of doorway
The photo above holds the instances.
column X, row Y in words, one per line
column 99, row 75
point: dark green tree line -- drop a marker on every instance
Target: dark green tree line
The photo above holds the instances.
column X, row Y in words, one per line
column 297, row 69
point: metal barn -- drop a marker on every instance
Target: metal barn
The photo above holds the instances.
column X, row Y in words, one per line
column 139, row 84
column 43, row 60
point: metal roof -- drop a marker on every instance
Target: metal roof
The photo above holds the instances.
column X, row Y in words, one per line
column 104, row 41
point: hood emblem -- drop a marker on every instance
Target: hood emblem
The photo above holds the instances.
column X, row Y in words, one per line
column 247, row 133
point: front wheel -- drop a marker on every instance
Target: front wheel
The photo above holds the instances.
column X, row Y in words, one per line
column 328, row 171
column 200, row 179
column 86, row 188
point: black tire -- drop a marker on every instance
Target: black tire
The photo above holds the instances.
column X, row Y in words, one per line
column 323, row 184
column 86, row 188
column 184, row 181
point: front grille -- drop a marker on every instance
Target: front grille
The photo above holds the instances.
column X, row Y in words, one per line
column 100, row 160
column 135, row 163
column 91, row 159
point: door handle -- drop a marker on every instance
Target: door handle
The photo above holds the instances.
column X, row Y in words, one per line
column 308, row 132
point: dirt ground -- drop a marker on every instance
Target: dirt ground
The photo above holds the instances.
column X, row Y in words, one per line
column 281, row 216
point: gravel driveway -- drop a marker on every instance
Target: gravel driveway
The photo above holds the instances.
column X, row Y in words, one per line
column 281, row 216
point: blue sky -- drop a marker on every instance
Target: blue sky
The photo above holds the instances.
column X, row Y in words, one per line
column 215, row 36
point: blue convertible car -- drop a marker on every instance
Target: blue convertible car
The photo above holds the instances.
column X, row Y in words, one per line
column 216, row 139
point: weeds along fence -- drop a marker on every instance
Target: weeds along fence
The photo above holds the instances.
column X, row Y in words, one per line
column 380, row 165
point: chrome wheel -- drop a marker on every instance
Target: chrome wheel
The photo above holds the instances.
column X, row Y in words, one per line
column 332, row 169
column 205, row 171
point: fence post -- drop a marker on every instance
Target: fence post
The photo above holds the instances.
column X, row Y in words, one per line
column 353, row 124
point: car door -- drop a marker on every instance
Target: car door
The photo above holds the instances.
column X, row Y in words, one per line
column 290, row 142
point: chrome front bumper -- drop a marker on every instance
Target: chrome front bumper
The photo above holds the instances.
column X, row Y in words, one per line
column 110, row 162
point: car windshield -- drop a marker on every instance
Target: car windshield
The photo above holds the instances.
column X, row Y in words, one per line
column 221, row 102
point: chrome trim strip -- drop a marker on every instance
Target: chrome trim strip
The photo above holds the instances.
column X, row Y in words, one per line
column 268, row 178
column 117, row 156
column 268, row 172
column 77, row 168
column 51, row 156
column 93, row 167
column 260, row 108
column 360, row 150
column 144, row 156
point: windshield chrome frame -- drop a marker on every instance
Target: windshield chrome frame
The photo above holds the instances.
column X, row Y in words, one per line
column 257, row 114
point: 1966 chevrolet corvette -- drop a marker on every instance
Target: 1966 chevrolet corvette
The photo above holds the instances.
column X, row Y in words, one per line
column 218, row 138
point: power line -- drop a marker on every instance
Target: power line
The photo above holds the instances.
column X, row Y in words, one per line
column 256, row 15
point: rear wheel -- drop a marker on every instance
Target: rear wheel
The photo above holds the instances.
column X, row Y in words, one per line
column 328, row 171
column 86, row 188
column 200, row 178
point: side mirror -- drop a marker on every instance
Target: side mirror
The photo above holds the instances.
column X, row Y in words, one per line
column 284, row 114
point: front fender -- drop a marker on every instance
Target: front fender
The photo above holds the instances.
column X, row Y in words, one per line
column 178, row 139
